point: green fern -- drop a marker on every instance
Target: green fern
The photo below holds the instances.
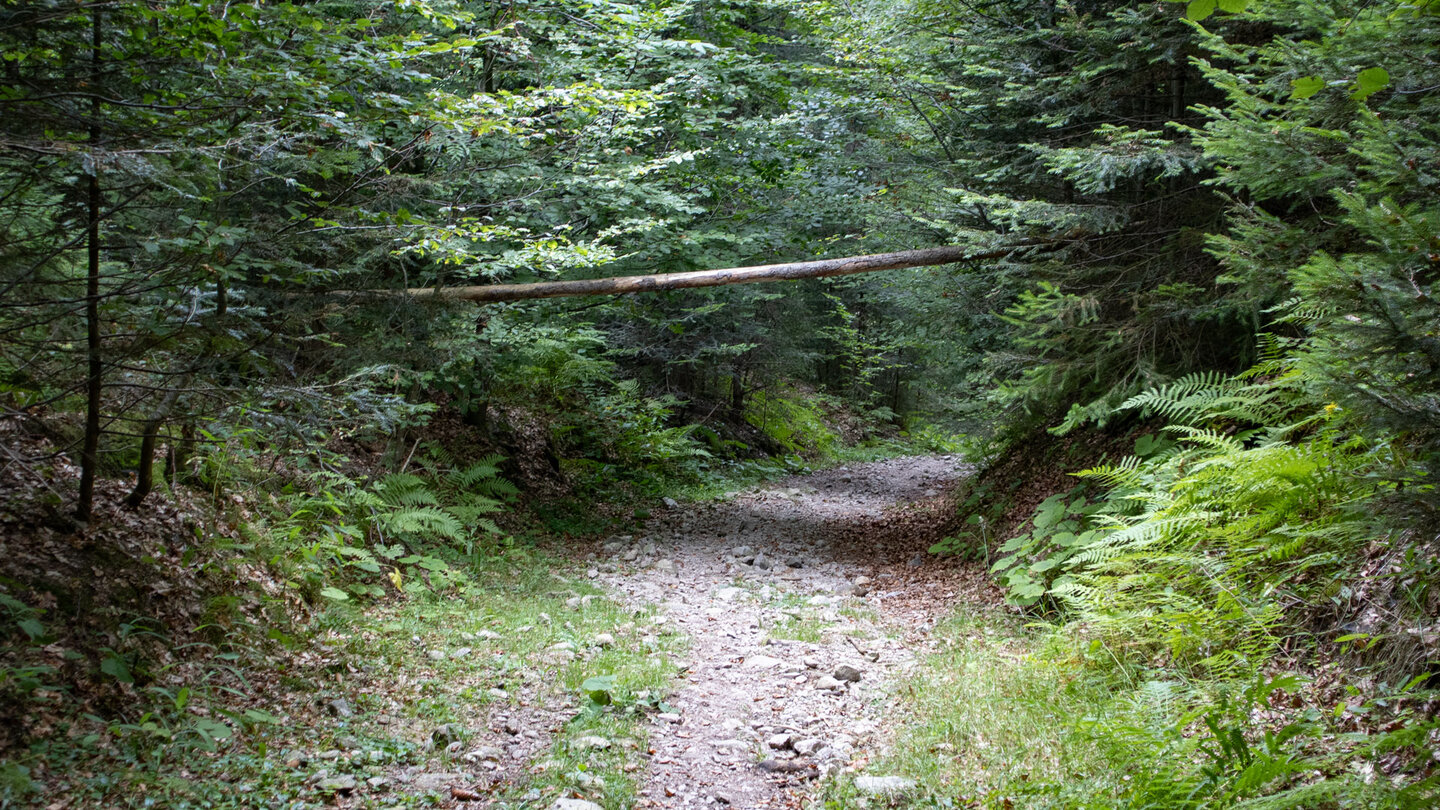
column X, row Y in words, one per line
column 422, row 522
column 476, row 474
column 1183, row 401
column 1200, row 548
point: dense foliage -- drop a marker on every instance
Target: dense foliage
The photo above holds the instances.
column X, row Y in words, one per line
column 1218, row 223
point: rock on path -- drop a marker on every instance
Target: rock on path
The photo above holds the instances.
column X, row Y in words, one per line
column 794, row 631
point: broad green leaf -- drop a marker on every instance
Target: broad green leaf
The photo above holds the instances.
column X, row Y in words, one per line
column 1016, row 543
column 115, row 666
column 1045, row 565
column 599, row 689
column 1369, row 82
column 1047, row 518
column 1030, row 591
column 1198, row 10
column 1232, row 6
column 433, row 564
column 260, row 716
column 335, row 593
column 1306, row 86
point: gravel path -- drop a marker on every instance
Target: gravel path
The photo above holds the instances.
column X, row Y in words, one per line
column 802, row 602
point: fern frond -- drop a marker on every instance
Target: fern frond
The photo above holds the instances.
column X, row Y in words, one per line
column 1140, row 535
column 401, row 481
column 1208, row 438
column 410, row 498
column 470, row 476
column 427, row 521
column 1184, row 400
column 1124, row 474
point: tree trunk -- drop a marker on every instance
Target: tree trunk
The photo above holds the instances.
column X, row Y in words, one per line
column 620, row 285
column 90, row 449
column 145, row 475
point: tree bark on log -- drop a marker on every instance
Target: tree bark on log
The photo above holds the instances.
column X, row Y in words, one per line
column 621, row 285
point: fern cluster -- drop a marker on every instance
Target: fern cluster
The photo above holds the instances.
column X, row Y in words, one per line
column 1202, row 546
column 403, row 531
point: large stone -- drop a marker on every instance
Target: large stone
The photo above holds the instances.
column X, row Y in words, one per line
column 446, row 734
column 485, row 753
column 779, row 741
column 336, row 784
column 436, row 782
column 575, row 804
column 829, row 683
column 845, row 672
column 807, row 746
column 762, row 662
column 341, row 708
column 590, row 743
column 890, row 787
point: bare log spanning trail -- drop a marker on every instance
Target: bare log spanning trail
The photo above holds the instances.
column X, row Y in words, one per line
column 620, row 285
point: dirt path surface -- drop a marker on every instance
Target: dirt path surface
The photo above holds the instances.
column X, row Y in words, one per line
column 803, row 601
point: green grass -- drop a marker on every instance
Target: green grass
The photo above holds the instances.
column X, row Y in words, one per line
column 804, row 629
column 379, row 658
column 1010, row 716
column 860, row 613
column 990, row 719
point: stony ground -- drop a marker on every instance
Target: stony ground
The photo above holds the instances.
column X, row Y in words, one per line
column 804, row 603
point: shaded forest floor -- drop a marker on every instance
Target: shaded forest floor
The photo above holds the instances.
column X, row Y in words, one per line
column 732, row 651
column 790, row 645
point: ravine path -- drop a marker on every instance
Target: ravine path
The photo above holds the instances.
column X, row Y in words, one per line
column 805, row 604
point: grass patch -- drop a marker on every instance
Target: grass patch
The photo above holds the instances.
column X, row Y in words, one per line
column 860, row 613
column 1007, row 716
column 790, row 628
column 384, row 692
column 992, row 715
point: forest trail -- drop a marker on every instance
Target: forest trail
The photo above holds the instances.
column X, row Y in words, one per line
column 804, row 602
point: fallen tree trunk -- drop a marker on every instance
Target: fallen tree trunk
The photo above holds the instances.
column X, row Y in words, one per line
column 620, row 285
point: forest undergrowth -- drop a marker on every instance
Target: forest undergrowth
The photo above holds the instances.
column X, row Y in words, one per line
column 195, row 656
column 340, row 632
column 251, row 487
